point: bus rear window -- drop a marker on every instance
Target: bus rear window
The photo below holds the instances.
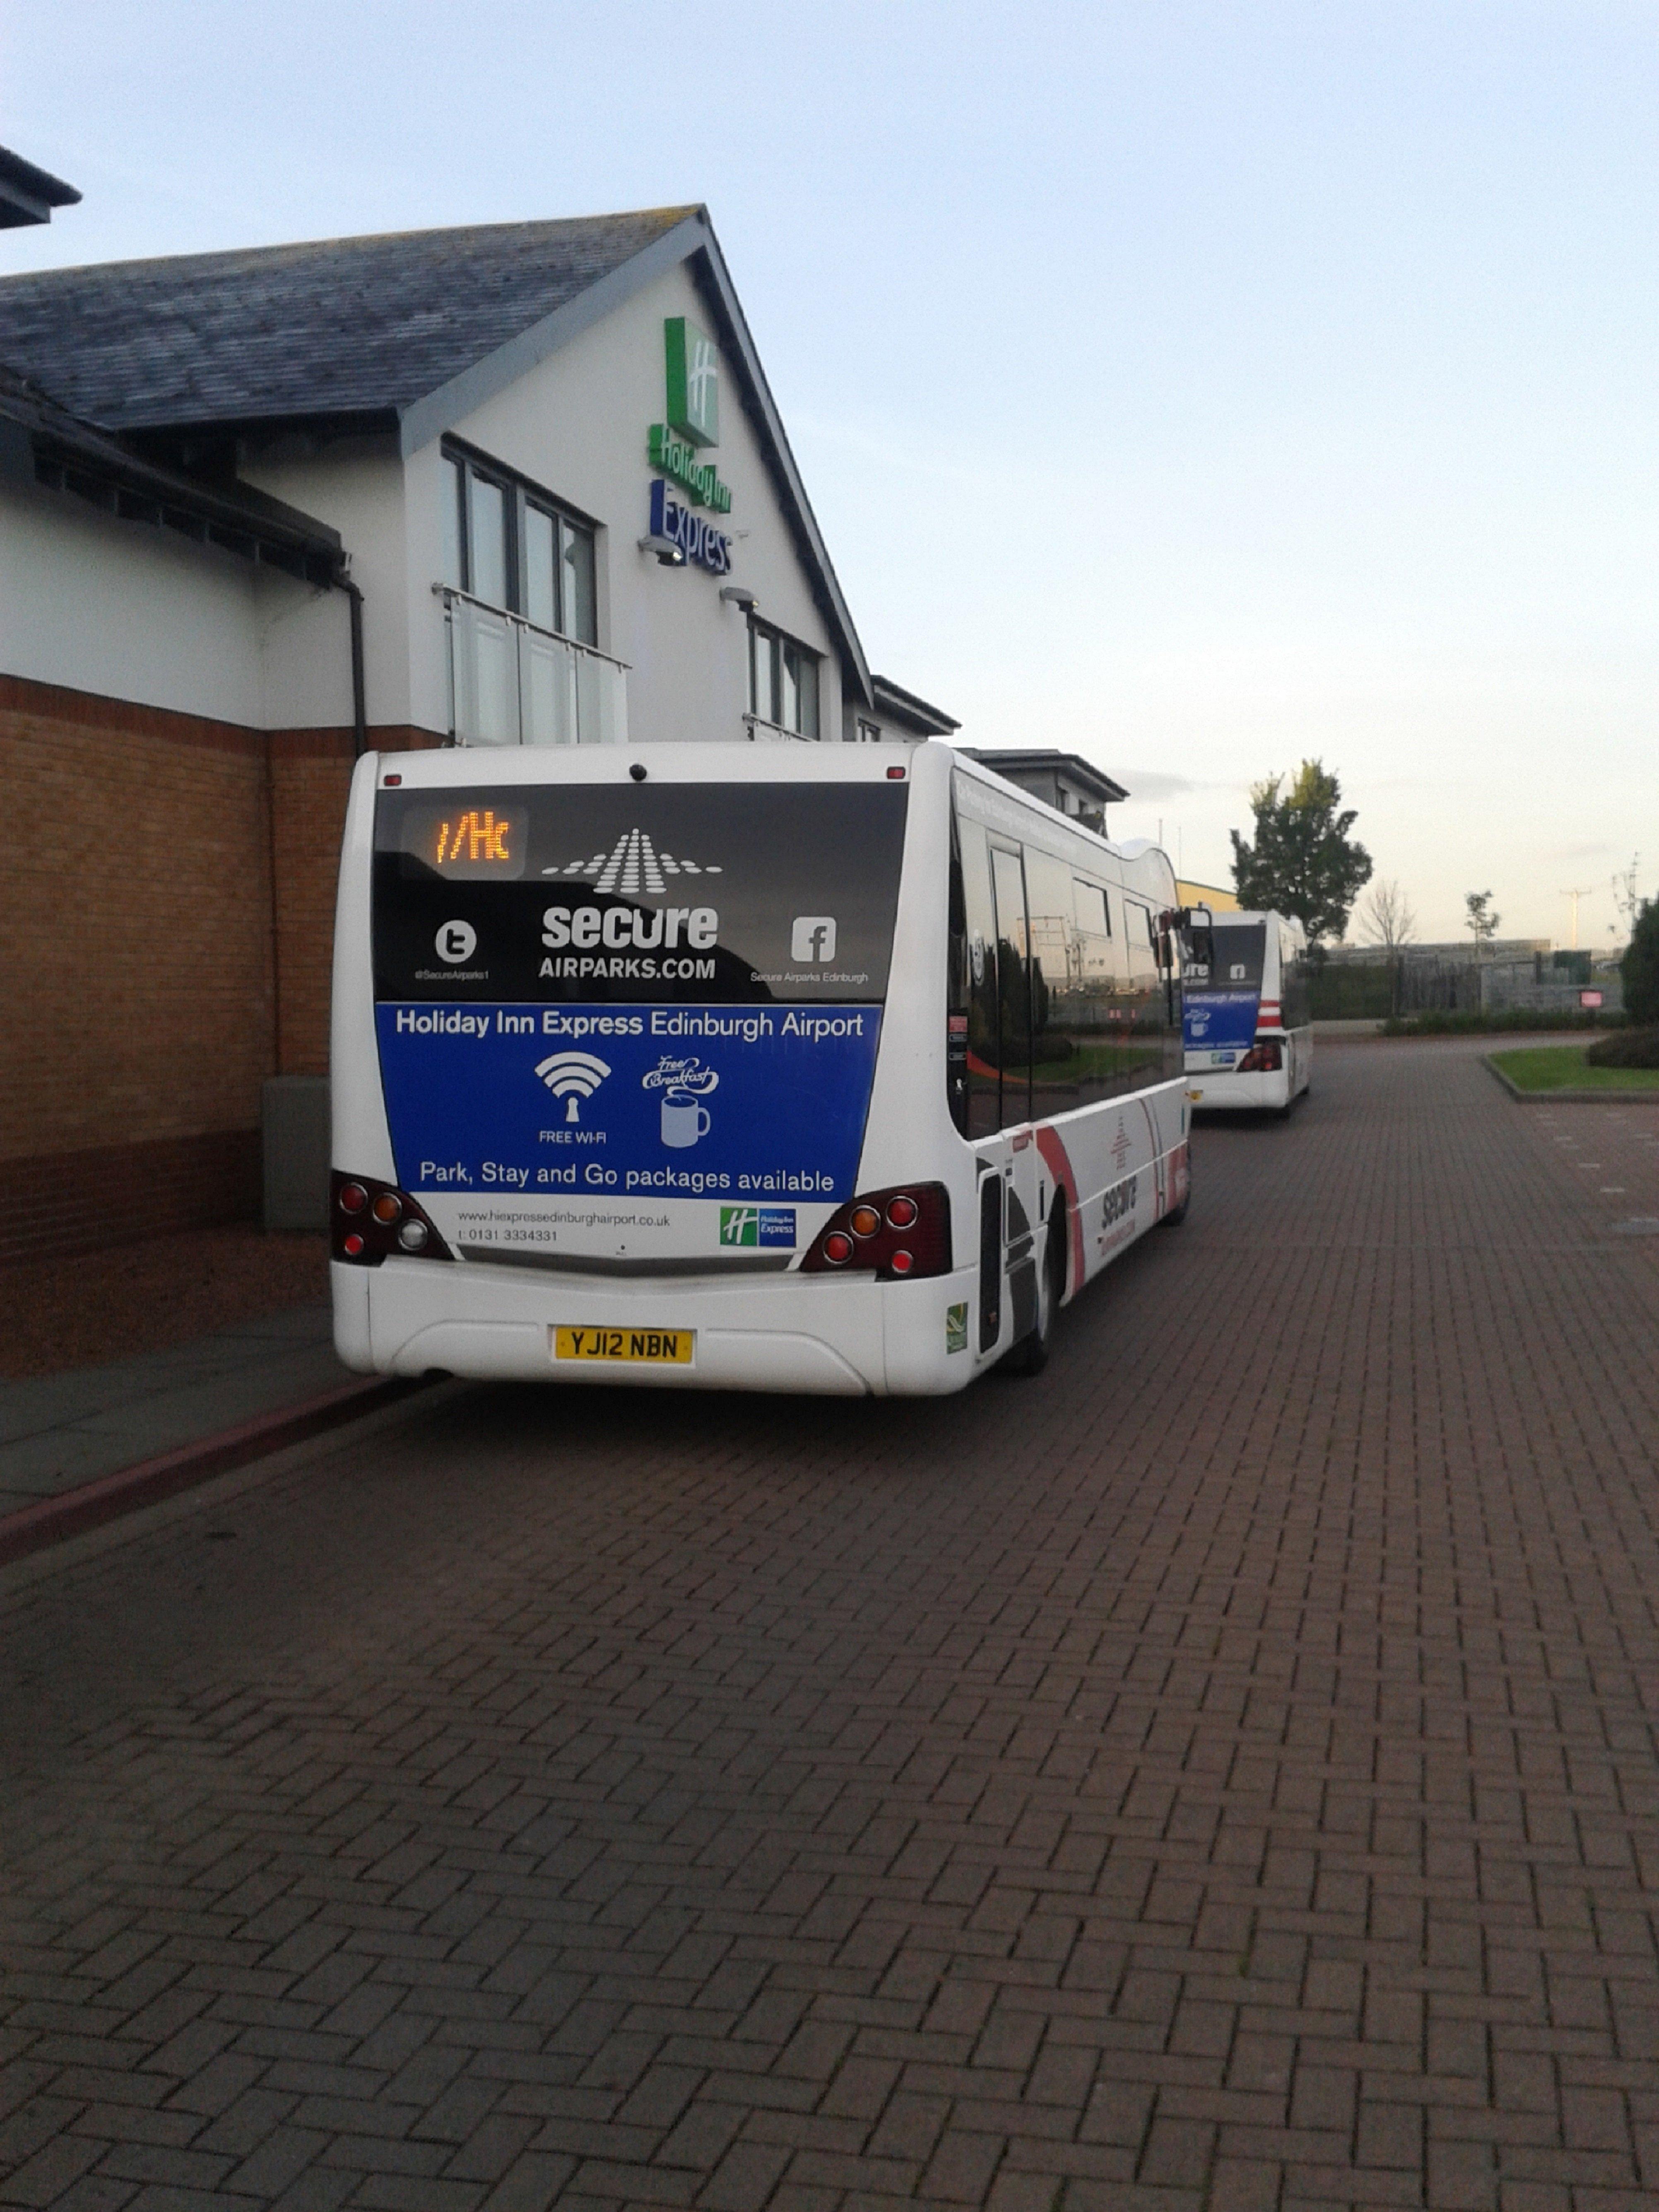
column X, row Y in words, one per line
column 604, row 891
column 1237, row 966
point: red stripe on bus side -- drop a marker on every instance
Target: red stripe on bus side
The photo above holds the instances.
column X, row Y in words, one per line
column 1059, row 1165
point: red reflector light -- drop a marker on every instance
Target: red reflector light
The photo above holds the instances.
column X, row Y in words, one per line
column 375, row 1221
column 891, row 1234
column 1265, row 1057
column 895, row 775
column 392, row 779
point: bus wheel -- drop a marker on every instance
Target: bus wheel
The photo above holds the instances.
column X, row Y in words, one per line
column 1030, row 1356
column 1177, row 1214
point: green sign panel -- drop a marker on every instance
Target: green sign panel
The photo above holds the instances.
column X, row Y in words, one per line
column 677, row 459
column 694, row 382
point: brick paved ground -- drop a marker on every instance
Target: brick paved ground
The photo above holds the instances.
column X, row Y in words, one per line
column 1221, row 1774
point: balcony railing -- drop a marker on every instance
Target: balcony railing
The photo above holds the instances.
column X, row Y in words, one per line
column 758, row 731
column 512, row 683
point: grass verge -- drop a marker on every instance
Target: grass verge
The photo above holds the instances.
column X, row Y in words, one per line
column 1564, row 1068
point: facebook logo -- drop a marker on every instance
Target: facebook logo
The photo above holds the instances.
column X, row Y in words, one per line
column 812, row 937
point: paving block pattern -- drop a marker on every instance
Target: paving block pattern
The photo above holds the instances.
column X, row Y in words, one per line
column 1218, row 1776
column 58, row 1431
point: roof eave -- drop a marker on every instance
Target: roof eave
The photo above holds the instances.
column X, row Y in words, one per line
column 45, row 435
column 909, row 709
column 29, row 194
column 776, row 444
column 1000, row 759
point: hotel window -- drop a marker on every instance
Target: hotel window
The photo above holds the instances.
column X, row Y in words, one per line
column 511, row 546
column 783, row 681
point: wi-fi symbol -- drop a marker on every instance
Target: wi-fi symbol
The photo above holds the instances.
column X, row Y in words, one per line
column 572, row 1075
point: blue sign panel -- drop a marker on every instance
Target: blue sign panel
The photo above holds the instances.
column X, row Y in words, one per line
column 741, row 1102
column 697, row 539
column 1219, row 1021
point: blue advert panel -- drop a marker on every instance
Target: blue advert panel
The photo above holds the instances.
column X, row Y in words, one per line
column 1219, row 1021
column 733, row 1102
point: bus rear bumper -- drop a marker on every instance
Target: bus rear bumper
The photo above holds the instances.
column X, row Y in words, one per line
column 827, row 1337
column 1212, row 1091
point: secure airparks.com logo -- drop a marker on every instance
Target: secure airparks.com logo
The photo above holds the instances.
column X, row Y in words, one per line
column 758, row 1225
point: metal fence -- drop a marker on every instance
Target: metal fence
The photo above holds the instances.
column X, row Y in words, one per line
column 1419, row 984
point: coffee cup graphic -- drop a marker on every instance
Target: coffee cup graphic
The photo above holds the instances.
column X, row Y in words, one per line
column 684, row 1119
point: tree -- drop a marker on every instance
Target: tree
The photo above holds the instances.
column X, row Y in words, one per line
column 1302, row 861
column 1388, row 917
column 1625, row 893
column 1390, row 922
column 1640, row 968
column 1480, row 921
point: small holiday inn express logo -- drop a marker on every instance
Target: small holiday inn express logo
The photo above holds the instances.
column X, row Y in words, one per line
column 758, row 1225
column 694, row 414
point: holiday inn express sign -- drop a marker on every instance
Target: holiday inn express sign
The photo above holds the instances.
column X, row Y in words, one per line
column 694, row 414
column 694, row 382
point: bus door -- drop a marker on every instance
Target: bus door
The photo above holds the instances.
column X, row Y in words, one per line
column 1023, row 1170
column 995, row 988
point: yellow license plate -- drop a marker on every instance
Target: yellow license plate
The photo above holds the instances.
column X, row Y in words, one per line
column 666, row 1348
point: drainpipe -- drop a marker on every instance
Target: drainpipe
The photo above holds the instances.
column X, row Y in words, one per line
column 358, row 712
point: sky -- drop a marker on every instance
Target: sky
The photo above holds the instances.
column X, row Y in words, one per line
column 1197, row 387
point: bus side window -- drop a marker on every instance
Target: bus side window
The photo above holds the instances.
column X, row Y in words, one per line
column 1055, row 997
column 1294, row 986
column 1140, row 983
column 1013, row 985
column 984, row 1047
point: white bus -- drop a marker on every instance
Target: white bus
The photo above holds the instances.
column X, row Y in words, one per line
column 1246, row 1022
column 808, row 1067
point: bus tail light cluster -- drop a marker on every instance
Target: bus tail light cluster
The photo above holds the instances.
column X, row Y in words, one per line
column 1265, row 1059
column 370, row 1221
column 900, row 1233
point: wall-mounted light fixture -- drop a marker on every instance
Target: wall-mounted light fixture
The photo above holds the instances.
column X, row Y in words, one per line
column 665, row 549
column 737, row 595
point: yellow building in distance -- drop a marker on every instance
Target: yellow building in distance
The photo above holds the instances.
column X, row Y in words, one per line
column 1209, row 895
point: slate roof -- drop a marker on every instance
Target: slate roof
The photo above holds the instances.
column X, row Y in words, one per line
column 343, row 327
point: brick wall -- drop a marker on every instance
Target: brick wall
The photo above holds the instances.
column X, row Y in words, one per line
column 310, row 781
column 310, row 778
column 167, row 904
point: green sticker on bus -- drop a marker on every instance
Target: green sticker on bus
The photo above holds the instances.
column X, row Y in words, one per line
column 956, row 1328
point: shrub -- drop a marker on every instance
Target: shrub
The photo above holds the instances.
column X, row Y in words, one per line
column 1640, row 968
column 1625, row 1049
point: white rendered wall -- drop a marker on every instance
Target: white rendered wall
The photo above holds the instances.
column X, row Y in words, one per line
column 127, row 610
column 576, row 425
column 357, row 489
